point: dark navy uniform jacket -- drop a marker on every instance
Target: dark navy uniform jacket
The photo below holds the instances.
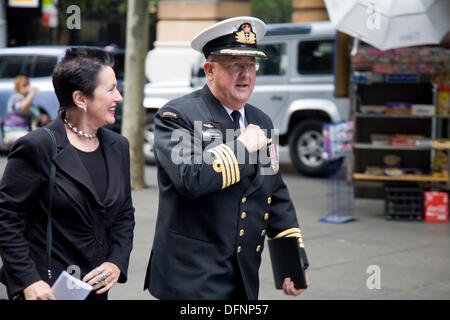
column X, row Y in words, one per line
column 214, row 215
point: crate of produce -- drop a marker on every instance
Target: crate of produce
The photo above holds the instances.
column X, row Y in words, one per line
column 404, row 203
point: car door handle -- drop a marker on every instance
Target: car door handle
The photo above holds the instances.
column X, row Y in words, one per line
column 276, row 98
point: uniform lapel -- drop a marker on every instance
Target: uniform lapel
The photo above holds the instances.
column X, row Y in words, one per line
column 252, row 118
column 222, row 121
column 219, row 115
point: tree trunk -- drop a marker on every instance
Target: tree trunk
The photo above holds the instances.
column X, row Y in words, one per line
column 133, row 120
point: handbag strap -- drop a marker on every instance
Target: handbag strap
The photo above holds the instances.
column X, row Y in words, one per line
column 50, row 201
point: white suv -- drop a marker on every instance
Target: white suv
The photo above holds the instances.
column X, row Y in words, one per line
column 294, row 87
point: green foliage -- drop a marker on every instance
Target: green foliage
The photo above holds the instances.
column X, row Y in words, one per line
column 272, row 11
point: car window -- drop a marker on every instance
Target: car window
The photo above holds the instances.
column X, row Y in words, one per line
column 44, row 66
column 13, row 65
column 315, row 57
column 276, row 62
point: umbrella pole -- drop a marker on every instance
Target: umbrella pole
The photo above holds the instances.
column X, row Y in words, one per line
column 355, row 47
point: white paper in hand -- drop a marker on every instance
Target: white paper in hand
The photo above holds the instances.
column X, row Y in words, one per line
column 67, row 287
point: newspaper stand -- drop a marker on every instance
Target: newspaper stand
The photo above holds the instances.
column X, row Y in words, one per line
column 337, row 141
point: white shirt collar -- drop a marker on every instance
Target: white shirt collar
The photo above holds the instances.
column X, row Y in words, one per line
column 241, row 119
column 229, row 111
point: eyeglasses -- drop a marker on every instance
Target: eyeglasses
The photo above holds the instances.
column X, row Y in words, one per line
column 237, row 67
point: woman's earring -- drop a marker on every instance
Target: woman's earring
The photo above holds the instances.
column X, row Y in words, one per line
column 85, row 109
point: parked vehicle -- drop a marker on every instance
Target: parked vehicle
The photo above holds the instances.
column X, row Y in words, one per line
column 38, row 62
column 294, row 87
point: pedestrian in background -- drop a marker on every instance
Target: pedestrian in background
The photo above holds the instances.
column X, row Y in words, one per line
column 214, row 215
column 20, row 111
column 93, row 214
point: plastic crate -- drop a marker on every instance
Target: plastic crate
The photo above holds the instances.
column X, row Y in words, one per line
column 403, row 203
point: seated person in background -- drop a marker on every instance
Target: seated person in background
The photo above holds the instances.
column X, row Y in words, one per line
column 20, row 111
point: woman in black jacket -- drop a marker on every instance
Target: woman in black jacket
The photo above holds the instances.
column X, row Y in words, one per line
column 93, row 214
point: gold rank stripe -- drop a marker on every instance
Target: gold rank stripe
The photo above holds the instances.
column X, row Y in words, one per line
column 227, row 165
column 230, row 167
column 287, row 231
column 221, row 169
column 234, row 161
column 291, row 235
column 300, row 243
column 230, row 161
column 243, row 52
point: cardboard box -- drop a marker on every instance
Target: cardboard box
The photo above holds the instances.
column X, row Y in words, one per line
column 436, row 206
column 423, row 109
column 381, row 139
column 403, row 142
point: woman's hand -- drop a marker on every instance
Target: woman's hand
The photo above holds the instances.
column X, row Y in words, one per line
column 39, row 290
column 103, row 277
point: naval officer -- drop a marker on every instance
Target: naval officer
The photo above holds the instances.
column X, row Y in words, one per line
column 218, row 199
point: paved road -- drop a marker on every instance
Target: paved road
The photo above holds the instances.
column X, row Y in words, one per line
column 407, row 259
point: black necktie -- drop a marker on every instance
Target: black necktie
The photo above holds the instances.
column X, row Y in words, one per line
column 236, row 115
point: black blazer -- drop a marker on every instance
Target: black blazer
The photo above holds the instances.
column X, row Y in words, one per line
column 208, row 239
column 86, row 230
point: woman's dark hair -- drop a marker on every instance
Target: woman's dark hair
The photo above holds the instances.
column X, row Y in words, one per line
column 78, row 70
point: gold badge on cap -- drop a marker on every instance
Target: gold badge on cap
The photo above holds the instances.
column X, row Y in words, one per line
column 246, row 35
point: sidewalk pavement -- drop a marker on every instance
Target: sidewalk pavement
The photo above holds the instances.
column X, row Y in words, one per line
column 368, row 258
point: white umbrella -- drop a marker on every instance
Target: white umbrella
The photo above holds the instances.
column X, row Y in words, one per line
column 389, row 24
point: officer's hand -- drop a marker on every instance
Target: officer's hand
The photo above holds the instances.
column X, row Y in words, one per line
column 39, row 290
column 253, row 138
column 289, row 288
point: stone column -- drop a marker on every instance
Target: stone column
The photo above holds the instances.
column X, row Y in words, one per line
column 309, row 10
column 179, row 22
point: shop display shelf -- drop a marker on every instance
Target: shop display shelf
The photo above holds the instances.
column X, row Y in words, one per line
column 370, row 146
column 409, row 177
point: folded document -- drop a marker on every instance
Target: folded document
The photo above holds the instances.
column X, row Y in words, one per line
column 67, row 287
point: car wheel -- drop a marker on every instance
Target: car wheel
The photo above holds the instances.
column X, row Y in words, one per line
column 305, row 148
column 149, row 142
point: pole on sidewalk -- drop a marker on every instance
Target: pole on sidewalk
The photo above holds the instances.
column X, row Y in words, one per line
column 133, row 120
